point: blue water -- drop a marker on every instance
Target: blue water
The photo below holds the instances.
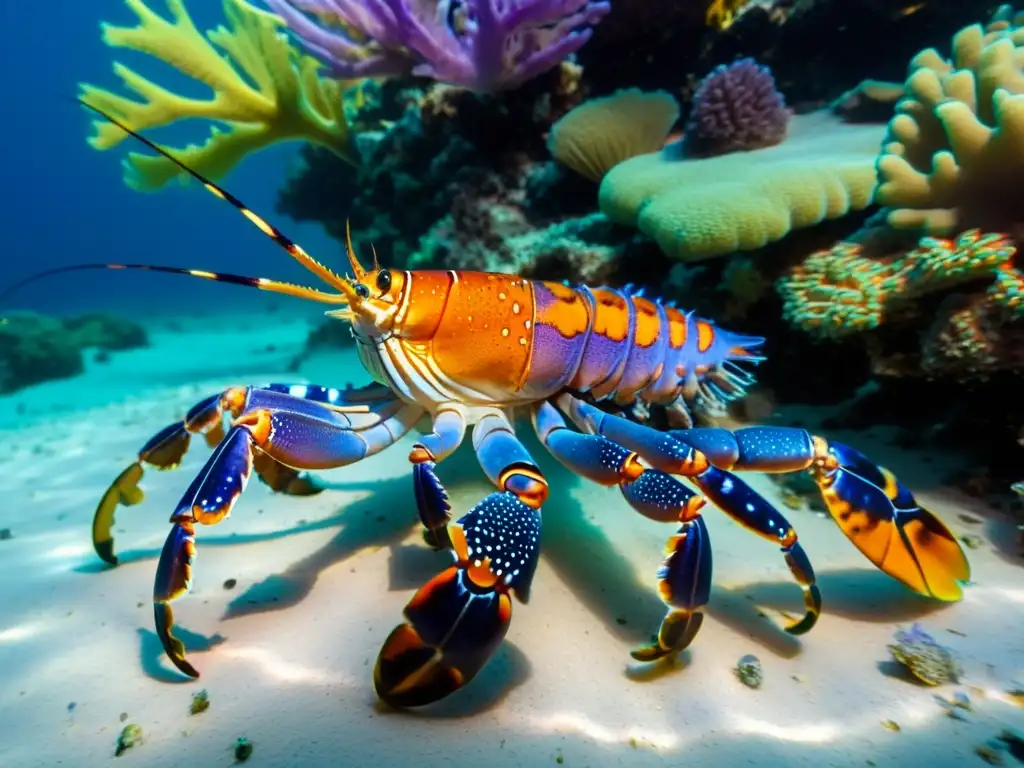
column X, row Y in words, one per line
column 66, row 203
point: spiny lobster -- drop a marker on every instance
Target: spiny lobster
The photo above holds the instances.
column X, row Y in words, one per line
column 472, row 349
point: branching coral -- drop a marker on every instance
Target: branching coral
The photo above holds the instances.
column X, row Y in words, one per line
column 954, row 157
column 482, row 45
column 841, row 292
column 285, row 100
column 736, row 108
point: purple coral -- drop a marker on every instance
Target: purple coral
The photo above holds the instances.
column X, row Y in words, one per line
column 482, row 45
column 736, row 107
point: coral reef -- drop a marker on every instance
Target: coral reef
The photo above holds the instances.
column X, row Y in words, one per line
column 35, row 348
column 447, row 145
column 735, row 108
column 107, row 332
column 263, row 91
column 841, row 292
column 601, row 133
column 482, row 45
column 954, row 157
column 700, row 208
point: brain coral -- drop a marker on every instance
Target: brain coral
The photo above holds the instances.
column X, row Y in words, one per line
column 736, row 107
column 954, row 156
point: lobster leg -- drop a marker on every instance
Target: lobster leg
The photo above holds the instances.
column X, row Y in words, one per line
column 294, row 432
column 684, row 580
column 431, row 499
column 167, row 447
column 456, row 621
column 872, row 507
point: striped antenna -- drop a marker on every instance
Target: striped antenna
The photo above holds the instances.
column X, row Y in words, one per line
column 346, row 292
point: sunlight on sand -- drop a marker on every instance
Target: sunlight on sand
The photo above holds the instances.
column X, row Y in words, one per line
column 575, row 722
column 20, row 632
column 270, row 664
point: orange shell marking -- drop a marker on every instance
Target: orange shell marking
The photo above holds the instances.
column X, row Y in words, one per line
column 485, row 335
column 705, row 336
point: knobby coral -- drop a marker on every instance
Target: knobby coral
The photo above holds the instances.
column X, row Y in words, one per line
column 286, row 100
column 482, row 45
column 840, row 292
column 954, row 157
column 736, row 108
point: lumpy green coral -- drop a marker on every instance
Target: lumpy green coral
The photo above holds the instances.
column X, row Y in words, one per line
column 741, row 201
column 954, row 154
column 264, row 91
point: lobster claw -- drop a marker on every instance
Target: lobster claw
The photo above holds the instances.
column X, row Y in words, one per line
column 884, row 521
column 458, row 619
column 453, row 628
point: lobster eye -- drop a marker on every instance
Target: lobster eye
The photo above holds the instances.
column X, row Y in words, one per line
column 384, row 281
column 362, row 291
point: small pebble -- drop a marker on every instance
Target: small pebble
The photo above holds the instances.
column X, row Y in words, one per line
column 131, row 736
column 5, row 534
column 748, row 669
column 891, row 725
column 243, row 749
column 200, row 702
column 230, row 583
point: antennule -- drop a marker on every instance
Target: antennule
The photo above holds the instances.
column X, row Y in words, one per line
column 293, row 249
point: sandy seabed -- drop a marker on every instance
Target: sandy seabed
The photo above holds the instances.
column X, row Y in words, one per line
column 287, row 654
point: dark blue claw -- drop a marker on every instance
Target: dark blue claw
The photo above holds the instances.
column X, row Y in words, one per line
column 685, row 586
column 456, row 621
column 431, row 504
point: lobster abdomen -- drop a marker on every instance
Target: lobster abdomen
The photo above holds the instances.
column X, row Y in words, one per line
column 621, row 346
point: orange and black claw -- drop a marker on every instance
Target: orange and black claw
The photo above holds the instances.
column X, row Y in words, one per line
column 883, row 519
column 431, row 504
column 458, row 619
column 174, row 579
column 453, row 628
column 684, row 583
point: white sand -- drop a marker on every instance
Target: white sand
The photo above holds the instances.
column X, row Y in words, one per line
column 322, row 581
